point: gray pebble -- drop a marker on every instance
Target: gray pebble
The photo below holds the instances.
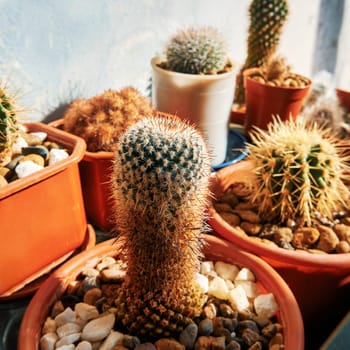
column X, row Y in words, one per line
column 188, row 336
column 145, row 346
column 205, row 327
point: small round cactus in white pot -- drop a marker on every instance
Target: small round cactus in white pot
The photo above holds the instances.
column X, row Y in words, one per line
column 195, row 80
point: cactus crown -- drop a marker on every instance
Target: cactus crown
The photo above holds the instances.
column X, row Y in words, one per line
column 8, row 125
column 101, row 119
column 160, row 183
column 197, row 51
column 267, row 18
column 300, row 172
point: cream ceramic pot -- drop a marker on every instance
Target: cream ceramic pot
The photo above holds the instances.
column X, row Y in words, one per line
column 204, row 100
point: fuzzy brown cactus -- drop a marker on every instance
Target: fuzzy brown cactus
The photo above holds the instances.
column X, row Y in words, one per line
column 160, row 183
column 101, row 119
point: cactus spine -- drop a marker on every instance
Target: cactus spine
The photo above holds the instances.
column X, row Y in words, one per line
column 160, row 182
column 8, row 126
column 267, row 18
column 101, row 119
column 300, row 171
column 197, row 51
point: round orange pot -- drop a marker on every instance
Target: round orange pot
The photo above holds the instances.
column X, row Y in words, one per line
column 237, row 115
column 317, row 280
column 265, row 101
column 215, row 248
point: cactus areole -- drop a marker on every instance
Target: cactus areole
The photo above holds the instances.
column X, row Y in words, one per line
column 160, row 186
column 300, row 171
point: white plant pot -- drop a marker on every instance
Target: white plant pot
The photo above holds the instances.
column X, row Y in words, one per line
column 204, row 100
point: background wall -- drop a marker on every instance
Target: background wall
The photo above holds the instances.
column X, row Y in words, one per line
column 54, row 51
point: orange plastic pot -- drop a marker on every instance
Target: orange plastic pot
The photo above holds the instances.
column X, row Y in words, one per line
column 42, row 216
column 317, row 280
column 215, row 249
column 265, row 101
column 344, row 98
column 95, row 170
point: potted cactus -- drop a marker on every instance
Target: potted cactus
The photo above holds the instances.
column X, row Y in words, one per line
column 99, row 121
column 195, row 80
column 294, row 214
column 160, row 187
column 37, row 190
column 266, row 21
column 273, row 90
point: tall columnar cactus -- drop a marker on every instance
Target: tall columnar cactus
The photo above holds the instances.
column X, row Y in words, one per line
column 267, row 18
column 300, row 171
column 197, row 51
column 160, row 185
column 8, row 126
column 101, row 119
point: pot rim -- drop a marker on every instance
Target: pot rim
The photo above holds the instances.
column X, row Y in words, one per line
column 222, row 228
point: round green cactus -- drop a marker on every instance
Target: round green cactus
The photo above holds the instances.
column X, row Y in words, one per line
column 267, row 18
column 160, row 183
column 8, row 126
column 300, row 171
column 197, row 51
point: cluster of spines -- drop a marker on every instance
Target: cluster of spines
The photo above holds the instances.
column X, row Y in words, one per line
column 160, row 186
column 300, row 172
column 8, row 125
column 101, row 119
column 267, row 18
column 200, row 50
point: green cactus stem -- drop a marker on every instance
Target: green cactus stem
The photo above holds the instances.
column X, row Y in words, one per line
column 197, row 51
column 300, row 172
column 267, row 18
column 160, row 183
column 8, row 126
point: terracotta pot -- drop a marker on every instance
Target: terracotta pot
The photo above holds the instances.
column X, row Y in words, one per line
column 204, row 100
column 238, row 115
column 42, row 216
column 264, row 101
column 95, row 169
column 215, row 249
column 344, row 98
column 317, row 280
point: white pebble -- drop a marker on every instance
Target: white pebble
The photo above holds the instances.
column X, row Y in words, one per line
column 67, row 329
column 114, row 338
column 68, row 339
column 238, row 298
column 66, row 347
column 99, row 328
column 66, row 316
column 56, row 155
column 265, row 305
column 85, row 311
column 106, row 262
column 48, row 341
column 84, row 345
column 18, row 144
column 26, row 168
column 41, row 135
column 206, row 267
column 226, row 271
column 203, row 282
column 49, row 325
column 245, row 275
column 251, row 288
column 218, row 288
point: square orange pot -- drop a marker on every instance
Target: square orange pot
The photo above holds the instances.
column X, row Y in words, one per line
column 42, row 215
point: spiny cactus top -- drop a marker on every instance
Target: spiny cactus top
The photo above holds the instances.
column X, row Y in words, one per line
column 101, row 119
column 267, row 18
column 160, row 186
column 197, row 51
column 300, row 171
column 8, row 125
